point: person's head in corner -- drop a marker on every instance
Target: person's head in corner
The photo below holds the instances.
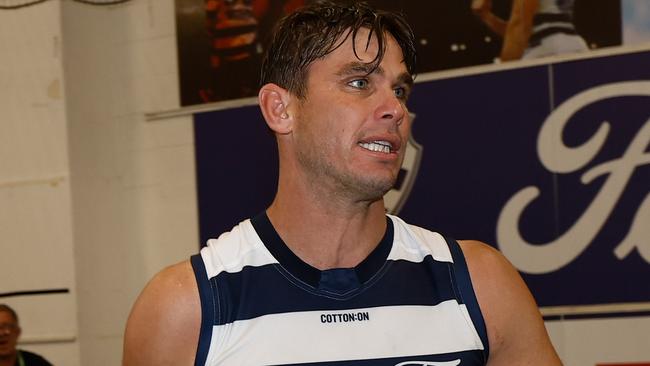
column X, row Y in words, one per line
column 9, row 331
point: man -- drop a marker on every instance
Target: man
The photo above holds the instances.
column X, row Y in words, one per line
column 9, row 333
column 536, row 28
column 324, row 276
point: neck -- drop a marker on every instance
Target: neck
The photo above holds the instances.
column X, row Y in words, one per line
column 327, row 231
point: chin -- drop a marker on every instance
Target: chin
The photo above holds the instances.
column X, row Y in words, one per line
column 6, row 353
column 374, row 189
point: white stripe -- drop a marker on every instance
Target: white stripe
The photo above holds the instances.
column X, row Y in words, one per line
column 242, row 247
column 413, row 243
column 429, row 363
column 301, row 337
column 234, row 250
column 541, row 27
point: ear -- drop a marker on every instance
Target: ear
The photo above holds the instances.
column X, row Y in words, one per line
column 274, row 103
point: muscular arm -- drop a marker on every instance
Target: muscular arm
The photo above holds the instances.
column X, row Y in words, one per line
column 518, row 29
column 163, row 328
column 515, row 328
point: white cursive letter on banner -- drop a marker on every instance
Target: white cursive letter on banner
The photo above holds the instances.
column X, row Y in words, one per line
column 559, row 158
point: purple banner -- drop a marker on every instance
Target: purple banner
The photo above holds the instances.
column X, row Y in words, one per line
column 549, row 163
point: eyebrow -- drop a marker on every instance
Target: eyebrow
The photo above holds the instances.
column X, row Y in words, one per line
column 359, row 67
column 355, row 67
column 406, row 79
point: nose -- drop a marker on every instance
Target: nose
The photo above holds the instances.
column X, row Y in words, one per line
column 390, row 108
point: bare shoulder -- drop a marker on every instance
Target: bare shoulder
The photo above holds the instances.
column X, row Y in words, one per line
column 164, row 324
column 515, row 328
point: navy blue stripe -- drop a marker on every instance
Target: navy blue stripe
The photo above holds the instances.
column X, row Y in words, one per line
column 207, row 309
column 310, row 275
column 541, row 18
column 376, row 259
column 468, row 358
column 282, row 253
column 270, row 289
column 537, row 37
column 464, row 284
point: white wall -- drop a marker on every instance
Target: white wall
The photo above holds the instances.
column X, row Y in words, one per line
column 93, row 197
column 601, row 341
column 132, row 181
column 36, row 231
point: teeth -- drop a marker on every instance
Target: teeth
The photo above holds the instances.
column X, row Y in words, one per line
column 378, row 146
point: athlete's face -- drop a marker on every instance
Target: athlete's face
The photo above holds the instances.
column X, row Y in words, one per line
column 353, row 124
column 9, row 332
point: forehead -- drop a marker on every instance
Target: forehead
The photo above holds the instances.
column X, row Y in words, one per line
column 361, row 48
column 6, row 317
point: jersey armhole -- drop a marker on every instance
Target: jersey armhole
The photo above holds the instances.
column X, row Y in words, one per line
column 466, row 290
column 207, row 309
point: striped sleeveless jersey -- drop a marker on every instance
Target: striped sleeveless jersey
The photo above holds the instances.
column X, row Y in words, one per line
column 410, row 302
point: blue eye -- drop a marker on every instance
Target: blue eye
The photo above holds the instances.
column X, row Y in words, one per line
column 400, row 92
column 359, row 83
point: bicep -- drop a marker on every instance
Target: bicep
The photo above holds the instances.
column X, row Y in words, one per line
column 516, row 332
column 163, row 327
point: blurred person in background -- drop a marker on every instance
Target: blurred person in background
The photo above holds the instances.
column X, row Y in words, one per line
column 9, row 333
column 535, row 28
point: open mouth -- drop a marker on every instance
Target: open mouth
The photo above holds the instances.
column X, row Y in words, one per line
column 377, row 146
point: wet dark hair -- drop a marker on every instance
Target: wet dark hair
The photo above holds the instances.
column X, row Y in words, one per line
column 314, row 31
column 7, row 308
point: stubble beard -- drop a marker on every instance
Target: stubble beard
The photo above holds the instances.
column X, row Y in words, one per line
column 338, row 183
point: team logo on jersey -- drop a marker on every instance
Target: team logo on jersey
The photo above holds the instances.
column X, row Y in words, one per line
column 396, row 197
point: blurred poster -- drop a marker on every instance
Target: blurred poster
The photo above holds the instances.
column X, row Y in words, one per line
column 636, row 21
column 221, row 42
